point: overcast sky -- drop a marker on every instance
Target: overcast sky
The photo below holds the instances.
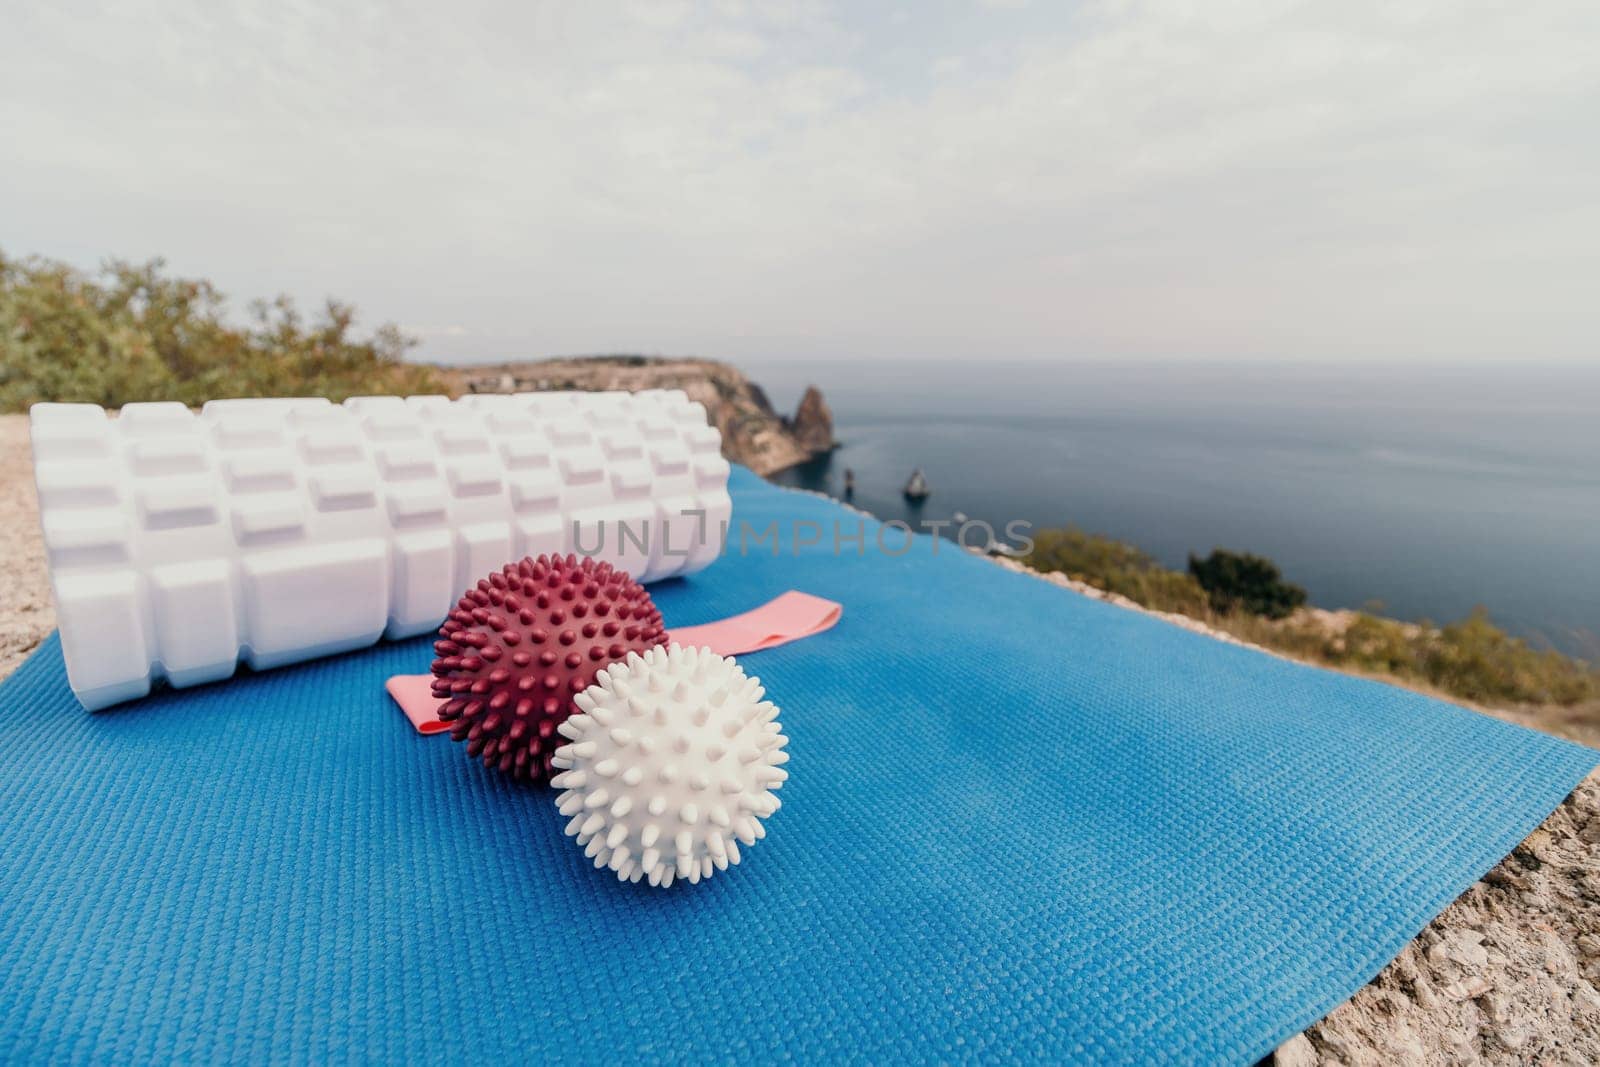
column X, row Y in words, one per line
column 1330, row 180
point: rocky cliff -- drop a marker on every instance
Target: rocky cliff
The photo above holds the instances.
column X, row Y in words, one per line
column 752, row 432
column 812, row 425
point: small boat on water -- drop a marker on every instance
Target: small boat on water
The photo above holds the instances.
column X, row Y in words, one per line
column 917, row 488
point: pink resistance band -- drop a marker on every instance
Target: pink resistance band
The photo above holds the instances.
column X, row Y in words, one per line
column 790, row 617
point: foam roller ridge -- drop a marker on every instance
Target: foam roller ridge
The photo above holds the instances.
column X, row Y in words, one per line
column 274, row 530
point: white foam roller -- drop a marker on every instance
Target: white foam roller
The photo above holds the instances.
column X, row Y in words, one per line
column 271, row 531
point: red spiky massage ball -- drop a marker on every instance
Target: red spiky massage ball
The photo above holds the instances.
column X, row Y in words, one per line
column 526, row 640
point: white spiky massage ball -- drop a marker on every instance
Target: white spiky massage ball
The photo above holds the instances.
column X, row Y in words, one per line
column 672, row 758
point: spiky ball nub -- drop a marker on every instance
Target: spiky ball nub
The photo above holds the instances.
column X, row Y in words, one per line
column 673, row 758
column 523, row 643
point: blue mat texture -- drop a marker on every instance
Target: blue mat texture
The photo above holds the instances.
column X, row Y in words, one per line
column 1021, row 825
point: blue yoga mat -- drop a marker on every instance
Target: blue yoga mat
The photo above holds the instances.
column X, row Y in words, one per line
column 1021, row 823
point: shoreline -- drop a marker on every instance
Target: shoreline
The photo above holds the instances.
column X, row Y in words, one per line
column 1327, row 501
column 1472, row 658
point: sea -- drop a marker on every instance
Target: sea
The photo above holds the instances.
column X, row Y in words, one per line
column 1420, row 491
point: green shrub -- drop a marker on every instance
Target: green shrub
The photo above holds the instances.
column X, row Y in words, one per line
column 1238, row 581
column 130, row 333
column 1472, row 659
column 1477, row 660
column 1117, row 568
column 1379, row 646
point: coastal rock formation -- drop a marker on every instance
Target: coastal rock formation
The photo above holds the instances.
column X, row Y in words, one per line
column 752, row 432
column 812, row 425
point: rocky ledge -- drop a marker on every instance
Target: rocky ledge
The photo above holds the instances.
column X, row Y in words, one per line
column 752, row 432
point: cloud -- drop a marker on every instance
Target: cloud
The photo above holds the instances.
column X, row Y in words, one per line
column 1263, row 179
